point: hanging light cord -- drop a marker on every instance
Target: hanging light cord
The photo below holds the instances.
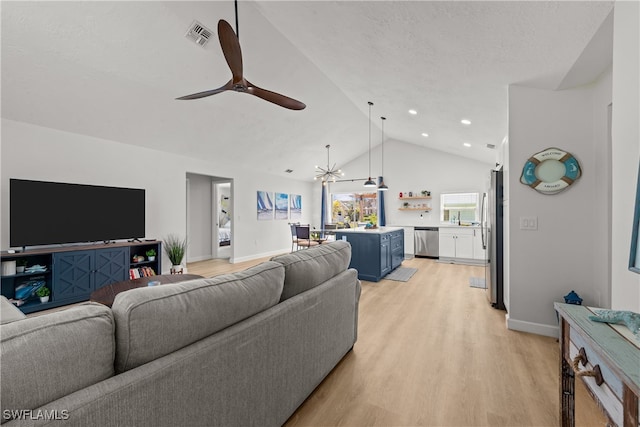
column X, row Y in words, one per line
column 327, row 147
column 383, row 119
column 370, row 104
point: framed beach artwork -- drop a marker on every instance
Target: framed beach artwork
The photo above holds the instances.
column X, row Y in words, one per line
column 282, row 206
column 295, row 206
column 265, row 205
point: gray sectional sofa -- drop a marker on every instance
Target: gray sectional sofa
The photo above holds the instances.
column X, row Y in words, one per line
column 242, row 349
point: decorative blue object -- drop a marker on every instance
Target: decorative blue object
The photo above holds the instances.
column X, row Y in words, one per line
column 28, row 289
column 572, row 298
column 630, row 319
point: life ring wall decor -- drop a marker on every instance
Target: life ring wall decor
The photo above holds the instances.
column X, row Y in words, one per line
column 550, row 171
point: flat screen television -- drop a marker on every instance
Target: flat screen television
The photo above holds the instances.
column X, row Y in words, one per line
column 45, row 213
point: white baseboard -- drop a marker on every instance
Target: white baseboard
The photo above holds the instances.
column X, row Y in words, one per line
column 200, row 258
column 464, row 261
column 257, row 256
column 533, row 328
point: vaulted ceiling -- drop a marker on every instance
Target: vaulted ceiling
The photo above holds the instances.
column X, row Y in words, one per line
column 112, row 70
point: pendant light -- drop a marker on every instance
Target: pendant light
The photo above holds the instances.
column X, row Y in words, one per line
column 370, row 183
column 382, row 186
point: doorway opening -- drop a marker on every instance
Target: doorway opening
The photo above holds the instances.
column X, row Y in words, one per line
column 209, row 217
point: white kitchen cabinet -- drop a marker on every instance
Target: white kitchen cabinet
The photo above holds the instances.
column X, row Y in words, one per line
column 447, row 244
column 462, row 244
column 409, row 248
column 456, row 242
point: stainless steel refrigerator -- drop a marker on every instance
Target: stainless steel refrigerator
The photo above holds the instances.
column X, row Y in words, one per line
column 493, row 239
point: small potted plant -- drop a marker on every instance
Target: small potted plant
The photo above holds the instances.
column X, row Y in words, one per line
column 43, row 293
column 151, row 254
column 21, row 264
column 175, row 248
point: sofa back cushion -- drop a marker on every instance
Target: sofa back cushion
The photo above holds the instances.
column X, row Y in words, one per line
column 9, row 312
column 155, row 321
column 307, row 268
column 50, row 356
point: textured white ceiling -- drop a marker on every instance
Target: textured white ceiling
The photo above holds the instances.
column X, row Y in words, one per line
column 113, row 69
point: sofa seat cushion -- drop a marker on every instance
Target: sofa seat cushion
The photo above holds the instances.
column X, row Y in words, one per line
column 155, row 321
column 306, row 269
column 47, row 357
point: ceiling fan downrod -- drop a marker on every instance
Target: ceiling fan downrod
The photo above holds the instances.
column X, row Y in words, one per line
column 237, row 29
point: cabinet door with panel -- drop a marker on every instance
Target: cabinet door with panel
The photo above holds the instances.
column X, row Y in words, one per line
column 397, row 248
column 111, row 265
column 409, row 244
column 73, row 275
column 447, row 244
column 464, row 245
column 385, row 254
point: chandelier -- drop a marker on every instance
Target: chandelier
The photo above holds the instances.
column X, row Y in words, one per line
column 330, row 173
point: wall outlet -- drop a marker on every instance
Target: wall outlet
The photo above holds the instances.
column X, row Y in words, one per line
column 528, row 223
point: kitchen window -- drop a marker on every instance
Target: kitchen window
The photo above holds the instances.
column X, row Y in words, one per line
column 461, row 207
column 354, row 207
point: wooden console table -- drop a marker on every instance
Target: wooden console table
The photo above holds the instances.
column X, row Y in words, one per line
column 607, row 361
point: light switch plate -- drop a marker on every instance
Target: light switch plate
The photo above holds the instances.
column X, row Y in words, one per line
column 529, row 223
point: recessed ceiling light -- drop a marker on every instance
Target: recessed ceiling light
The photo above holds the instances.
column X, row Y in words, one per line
column 465, row 122
column 426, row 135
column 466, row 144
column 413, row 112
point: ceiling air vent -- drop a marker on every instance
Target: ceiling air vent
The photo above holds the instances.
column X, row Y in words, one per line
column 288, row 170
column 199, row 33
column 491, row 146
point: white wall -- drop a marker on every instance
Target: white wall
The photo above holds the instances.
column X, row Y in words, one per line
column 567, row 252
column 409, row 167
column 33, row 152
column 626, row 150
column 200, row 217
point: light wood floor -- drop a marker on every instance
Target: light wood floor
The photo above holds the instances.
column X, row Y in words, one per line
column 432, row 352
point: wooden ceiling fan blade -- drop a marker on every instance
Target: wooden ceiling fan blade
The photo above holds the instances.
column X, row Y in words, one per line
column 206, row 93
column 231, row 48
column 276, row 98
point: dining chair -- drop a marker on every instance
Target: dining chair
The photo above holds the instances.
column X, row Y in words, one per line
column 294, row 236
column 303, row 234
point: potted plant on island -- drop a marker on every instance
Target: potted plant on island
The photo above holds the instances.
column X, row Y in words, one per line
column 151, row 254
column 43, row 293
column 175, row 247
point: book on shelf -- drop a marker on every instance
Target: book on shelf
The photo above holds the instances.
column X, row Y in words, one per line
column 136, row 273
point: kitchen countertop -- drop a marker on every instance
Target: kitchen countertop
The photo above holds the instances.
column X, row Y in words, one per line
column 439, row 225
column 369, row 230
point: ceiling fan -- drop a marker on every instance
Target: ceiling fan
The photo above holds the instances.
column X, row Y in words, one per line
column 230, row 45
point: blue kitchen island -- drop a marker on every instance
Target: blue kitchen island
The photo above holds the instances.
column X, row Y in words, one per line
column 375, row 252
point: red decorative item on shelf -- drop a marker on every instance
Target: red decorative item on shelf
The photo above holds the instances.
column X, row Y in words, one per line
column 401, row 194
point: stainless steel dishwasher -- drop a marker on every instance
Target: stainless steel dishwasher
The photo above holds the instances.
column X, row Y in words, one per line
column 426, row 242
